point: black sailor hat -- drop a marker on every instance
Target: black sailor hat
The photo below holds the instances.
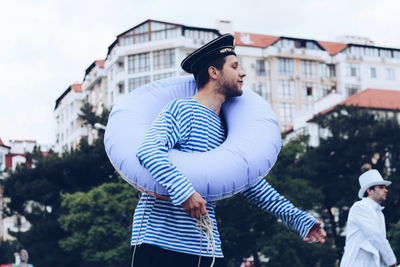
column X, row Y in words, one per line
column 219, row 47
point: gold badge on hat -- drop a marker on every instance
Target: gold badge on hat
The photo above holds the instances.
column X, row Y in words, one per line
column 224, row 50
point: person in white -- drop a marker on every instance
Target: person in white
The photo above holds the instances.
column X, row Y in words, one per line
column 366, row 243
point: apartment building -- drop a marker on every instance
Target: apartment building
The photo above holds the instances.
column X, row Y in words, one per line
column 292, row 74
column 148, row 52
column 4, row 150
column 95, row 86
column 69, row 128
column 383, row 103
column 12, row 156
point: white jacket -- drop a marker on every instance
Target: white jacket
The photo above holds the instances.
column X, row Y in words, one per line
column 366, row 243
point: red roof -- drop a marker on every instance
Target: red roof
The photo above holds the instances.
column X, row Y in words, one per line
column 263, row 41
column 371, row 98
column 76, row 87
column 100, row 63
column 2, row 144
column 254, row 40
column 375, row 98
column 332, row 47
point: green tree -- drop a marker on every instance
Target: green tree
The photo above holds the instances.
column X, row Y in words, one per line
column 36, row 194
column 7, row 249
column 89, row 116
column 357, row 140
column 248, row 231
column 98, row 224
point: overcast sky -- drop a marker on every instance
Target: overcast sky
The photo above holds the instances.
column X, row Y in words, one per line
column 46, row 45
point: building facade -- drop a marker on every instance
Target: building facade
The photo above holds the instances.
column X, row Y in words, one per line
column 148, row 52
column 294, row 75
column 69, row 128
column 382, row 103
column 11, row 156
column 4, row 150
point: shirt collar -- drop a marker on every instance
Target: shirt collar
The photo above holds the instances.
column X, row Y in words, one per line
column 373, row 204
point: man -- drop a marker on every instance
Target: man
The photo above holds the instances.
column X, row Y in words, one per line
column 166, row 232
column 366, row 243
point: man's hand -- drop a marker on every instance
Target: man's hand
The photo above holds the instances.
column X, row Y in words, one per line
column 316, row 234
column 195, row 205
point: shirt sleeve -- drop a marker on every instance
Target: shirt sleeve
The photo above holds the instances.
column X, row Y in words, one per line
column 153, row 155
column 267, row 198
column 360, row 216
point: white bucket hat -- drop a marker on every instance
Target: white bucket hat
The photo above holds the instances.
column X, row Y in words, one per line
column 370, row 178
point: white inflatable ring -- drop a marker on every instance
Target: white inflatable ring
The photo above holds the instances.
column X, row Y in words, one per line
column 249, row 152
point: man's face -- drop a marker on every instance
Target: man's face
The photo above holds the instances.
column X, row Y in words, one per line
column 231, row 77
column 378, row 193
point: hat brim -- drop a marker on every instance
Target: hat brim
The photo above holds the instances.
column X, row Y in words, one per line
column 365, row 187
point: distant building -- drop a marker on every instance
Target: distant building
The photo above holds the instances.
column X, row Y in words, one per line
column 15, row 154
column 148, row 52
column 4, row 150
column 293, row 74
column 384, row 103
column 95, row 86
column 69, row 128
column 18, row 154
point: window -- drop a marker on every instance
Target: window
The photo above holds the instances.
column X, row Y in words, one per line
column 308, row 107
column 390, row 74
column 163, row 59
column 385, row 53
column 262, row 89
column 285, row 43
column 307, row 69
column 373, row 52
column 372, row 72
column 309, row 91
column 352, row 69
column 351, row 89
column 202, row 36
column 136, row 82
column 327, row 89
column 151, row 31
column 286, row 67
column 163, row 75
column 139, row 63
column 121, row 89
column 287, row 89
column 327, row 70
column 286, row 112
column 260, row 68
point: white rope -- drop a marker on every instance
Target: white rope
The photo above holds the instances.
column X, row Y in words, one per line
column 205, row 225
column 140, row 228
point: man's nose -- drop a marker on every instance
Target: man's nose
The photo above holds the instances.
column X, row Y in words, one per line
column 242, row 73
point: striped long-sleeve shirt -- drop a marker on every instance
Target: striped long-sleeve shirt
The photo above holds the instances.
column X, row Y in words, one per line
column 189, row 126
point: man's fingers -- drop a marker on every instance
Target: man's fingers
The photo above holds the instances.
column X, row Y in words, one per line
column 203, row 210
column 193, row 213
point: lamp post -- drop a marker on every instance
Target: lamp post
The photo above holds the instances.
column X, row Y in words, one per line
column 99, row 126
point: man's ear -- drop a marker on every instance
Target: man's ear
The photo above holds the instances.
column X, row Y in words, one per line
column 213, row 72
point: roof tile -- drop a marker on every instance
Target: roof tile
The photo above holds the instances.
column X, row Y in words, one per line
column 332, row 47
column 254, row 40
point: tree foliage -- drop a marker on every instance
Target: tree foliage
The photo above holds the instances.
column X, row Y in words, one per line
column 36, row 194
column 98, row 224
column 248, row 231
column 81, row 213
column 357, row 140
